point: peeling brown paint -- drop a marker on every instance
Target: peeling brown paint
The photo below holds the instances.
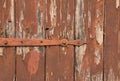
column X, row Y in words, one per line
column 99, row 34
column 89, row 27
column 97, row 56
column 117, row 3
column 60, row 21
column 52, row 22
column 81, row 50
column 55, row 20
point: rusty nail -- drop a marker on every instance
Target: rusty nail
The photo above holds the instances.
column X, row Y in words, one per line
column 22, row 42
column 47, row 28
column 9, row 21
column 41, row 41
column 104, row 33
column 6, row 42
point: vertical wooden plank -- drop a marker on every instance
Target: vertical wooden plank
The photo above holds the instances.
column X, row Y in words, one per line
column 111, row 42
column 81, row 32
column 89, row 27
column 30, row 20
column 7, row 54
column 52, row 32
column 60, row 25
column 96, row 36
column 66, row 56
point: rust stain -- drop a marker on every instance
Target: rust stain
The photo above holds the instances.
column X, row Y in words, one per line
column 5, row 42
column 33, row 62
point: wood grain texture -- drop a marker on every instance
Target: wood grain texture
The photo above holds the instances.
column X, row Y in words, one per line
column 89, row 27
column 60, row 21
column 111, row 41
column 7, row 54
column 30, row 20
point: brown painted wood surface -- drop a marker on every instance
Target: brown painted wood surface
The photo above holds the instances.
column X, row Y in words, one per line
column 112, row 41
column 89, row 27
column 30, row 19
column 60, row 24
column 7, row 54
column 61, row 19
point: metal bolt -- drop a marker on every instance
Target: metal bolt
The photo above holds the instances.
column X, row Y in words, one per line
column 22, row 42
column 64, row 42
column 41, row 41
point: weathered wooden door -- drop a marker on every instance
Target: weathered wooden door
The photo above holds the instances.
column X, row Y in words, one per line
column 92, row 21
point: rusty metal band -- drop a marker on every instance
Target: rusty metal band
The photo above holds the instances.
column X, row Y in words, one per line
column 4, row 42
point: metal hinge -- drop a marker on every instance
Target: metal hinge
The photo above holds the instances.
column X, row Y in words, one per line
column 4, row 42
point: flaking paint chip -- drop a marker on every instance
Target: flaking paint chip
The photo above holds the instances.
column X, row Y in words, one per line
column 117, row 3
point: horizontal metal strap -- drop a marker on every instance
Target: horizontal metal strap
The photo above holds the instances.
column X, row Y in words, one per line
column 4, row 42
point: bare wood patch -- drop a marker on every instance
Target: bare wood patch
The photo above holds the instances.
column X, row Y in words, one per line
column 117, row 3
